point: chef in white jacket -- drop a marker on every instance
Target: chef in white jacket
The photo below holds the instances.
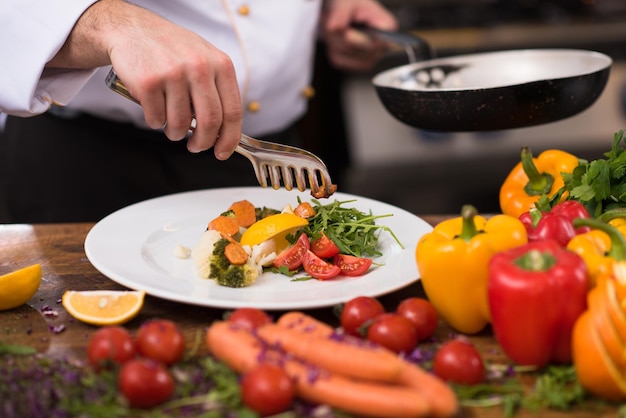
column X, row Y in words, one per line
column 72, row 150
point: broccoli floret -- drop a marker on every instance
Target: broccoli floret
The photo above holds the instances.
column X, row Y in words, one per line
column 226, row 274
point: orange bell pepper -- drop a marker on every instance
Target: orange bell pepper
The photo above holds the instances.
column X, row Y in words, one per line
column 533, row 177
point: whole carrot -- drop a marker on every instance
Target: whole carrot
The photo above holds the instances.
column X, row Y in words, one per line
column 304, row 323
column 316, row 384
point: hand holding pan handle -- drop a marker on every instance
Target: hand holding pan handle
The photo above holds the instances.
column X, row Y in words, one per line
column 415, row 46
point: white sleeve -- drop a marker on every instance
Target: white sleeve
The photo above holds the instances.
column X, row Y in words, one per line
column 31, row 33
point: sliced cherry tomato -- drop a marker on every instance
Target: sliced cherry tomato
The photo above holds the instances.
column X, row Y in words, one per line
column 249, row 318
column 112, row 344
column 160, row 340
column 459, row 361
column 357, row 312
column 324, row 247
column 318, row 268
column 423, row 315
column 145, row 383
column 267, row 389
column 292, row 256
column 393, row 331
column 351, row 265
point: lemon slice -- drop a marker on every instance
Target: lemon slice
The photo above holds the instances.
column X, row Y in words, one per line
column 17, row 287
column 103, row 307
column 275, row 227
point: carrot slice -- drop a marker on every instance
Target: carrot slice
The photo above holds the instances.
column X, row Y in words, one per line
column 235, row 254
column 304, row 210
column 245, row 212
column 227, row 225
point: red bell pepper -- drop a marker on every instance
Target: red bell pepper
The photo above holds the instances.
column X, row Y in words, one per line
column 535, row 293
column 556, row 224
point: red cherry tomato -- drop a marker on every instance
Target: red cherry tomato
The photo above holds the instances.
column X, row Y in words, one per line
column 393, row 331
column 357, row 311
column 160, row 340
column 318, row 268
column 112, row 344
column 292, row 256
column 324, row 247
column 458, row 361
column 249, row 318
column 351, row 265
column 267, row 389
column 423, row 315
column 145, row 383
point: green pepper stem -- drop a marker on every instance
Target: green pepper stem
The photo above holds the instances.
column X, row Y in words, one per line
column 535, row 260
column 468, row 230
column 612, row 214
column 618, row 243
column 538, row 183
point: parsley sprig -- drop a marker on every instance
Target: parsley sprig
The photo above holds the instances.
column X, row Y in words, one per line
column 354, row 232
column 599, row 184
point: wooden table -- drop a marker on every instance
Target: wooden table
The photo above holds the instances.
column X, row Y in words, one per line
column 59, row 250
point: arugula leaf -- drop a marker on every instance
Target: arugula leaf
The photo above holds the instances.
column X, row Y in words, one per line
column 353, row 231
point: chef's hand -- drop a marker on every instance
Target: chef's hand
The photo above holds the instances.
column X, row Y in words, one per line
column 166, row 68
column 350, row 49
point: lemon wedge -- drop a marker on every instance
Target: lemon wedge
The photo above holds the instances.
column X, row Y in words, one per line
column 17, row 287
column 103, row 307
column 275, row 227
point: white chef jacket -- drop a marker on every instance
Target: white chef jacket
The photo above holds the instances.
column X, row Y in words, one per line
column 271, row 44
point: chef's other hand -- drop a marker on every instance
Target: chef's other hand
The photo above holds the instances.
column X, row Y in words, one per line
column 166, row 68
column 350, row 49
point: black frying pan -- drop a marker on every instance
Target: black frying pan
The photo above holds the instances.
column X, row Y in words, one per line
column 493, row 90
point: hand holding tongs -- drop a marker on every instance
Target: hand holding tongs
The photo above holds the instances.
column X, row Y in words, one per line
column 271, row 161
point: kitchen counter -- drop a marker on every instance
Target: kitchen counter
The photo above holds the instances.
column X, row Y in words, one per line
column 59, row 250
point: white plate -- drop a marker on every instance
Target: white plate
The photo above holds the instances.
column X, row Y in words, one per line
column 135, row 247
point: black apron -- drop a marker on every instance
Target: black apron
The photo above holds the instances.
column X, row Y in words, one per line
column 80, row 169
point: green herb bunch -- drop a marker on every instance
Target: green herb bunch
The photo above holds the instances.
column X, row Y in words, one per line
column 599, row 184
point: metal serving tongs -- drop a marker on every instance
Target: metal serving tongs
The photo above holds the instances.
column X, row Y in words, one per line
column 273, row 163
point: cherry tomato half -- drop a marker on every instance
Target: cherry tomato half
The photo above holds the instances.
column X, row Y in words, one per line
column 351, row 265
column 249, row 318
column 145, row 383
column 393, row 331
column 459, row 361
column 267, row 389
column 292, row 256
column 423, row 315
column 318, row 268
column 324, row 247
column 357, row 311
column 160, row 340
column 112, row 344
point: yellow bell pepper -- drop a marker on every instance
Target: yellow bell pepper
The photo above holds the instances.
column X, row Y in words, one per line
column 533, row 177
column 601, row 247
column 453, row 262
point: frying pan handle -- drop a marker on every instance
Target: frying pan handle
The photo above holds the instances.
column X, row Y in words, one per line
column 415, row 46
